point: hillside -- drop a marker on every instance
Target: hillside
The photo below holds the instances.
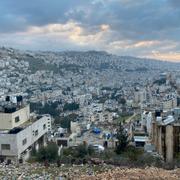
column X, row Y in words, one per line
column 98, row 60
column 93, row 68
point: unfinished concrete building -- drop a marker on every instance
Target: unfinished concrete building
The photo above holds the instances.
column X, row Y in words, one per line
column 166, row 134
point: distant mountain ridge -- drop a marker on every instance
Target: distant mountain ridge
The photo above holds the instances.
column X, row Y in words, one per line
column 99, row 60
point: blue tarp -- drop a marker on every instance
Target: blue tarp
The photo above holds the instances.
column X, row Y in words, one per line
column 107, row 135
column 96, row 130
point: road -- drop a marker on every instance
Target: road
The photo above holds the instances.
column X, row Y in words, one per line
column 131, row 118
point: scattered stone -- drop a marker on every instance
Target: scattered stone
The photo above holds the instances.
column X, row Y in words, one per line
column 38, row 171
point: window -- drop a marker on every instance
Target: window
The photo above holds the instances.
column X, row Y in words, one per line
column 36, row 132
column 24, row 141
column 5, row 146
column 44, row 126
column 17, row 119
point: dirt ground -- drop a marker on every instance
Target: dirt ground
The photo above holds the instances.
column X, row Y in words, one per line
column 135, row 174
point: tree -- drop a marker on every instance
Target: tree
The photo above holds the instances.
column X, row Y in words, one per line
column 122, row 101
column 65, row 122
column 91, row 150
column 71, row 106
column 48, row 108
column 81, row 151
column 48, row 153
column 41, row 154
column 122, row 138
column 52, row 151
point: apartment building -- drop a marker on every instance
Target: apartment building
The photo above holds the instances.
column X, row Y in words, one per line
column 20, row 133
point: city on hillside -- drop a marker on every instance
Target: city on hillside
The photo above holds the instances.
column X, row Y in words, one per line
column 90, row 90
column 55, row 107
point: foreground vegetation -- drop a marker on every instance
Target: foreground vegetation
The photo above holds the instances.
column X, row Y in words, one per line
column 123, row 155
column 83, row 154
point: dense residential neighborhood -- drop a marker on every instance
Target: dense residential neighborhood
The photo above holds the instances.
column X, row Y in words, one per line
column 88, row 107
column 90, row 90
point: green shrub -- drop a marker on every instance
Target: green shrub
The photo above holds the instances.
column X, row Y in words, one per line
column 122, row 138
column 107, row 154
column 90, row 150
column 68, row 151
column 81, row 151
column 133, row 153
column 49, row 153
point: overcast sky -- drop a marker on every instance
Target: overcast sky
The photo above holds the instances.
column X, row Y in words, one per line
column 143, row 28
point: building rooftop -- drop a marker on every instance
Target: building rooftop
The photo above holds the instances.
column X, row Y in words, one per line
column 16, row 130
column 11, row 108
column 11, row 104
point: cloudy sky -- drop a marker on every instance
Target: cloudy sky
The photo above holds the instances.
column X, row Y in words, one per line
column 143, row 28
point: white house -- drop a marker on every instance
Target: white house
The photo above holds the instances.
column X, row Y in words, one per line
column 19, row 133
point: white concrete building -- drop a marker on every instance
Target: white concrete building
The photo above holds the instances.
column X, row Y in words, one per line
column 75, row 127
column 146, row 121
column 169, row 102
column 139, row 96
column 19, row 133
column 102, row 117
column 14, row 119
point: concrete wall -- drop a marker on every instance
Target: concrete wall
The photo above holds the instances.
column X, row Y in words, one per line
column 29, row 133
column 7, row 120
column 169, row 143
column 149, row 123
column 160, row 140
column 24, row 115
column 146, row 121
column 8, row 139
column 75, row 128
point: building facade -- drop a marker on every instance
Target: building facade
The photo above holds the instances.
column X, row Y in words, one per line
column 166, row 135
column 20, row 133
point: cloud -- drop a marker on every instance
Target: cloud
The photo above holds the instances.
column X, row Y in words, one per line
column 133, row 45
column 173, row 56
column 124, row 27
column 175, row 3
column 68, row 36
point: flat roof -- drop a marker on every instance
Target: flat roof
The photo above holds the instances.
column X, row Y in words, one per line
column 9, row 109
column 21, row 127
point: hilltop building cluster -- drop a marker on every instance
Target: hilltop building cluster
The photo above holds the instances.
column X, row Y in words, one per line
column 72, row 98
